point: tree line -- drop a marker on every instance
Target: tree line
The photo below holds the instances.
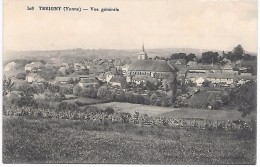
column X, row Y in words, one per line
column 209, row 57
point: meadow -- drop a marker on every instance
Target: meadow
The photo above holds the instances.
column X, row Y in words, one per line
column 176, row 112
column 29, row 139
column 84, row 100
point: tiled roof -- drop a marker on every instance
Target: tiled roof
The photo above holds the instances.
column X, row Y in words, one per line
column 119, row 79
column 203, row 67
column 88, row 80
column 150, row 65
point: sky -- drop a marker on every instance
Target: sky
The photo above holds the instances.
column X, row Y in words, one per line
column 201, row 24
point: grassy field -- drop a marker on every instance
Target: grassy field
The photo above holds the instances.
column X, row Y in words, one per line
column 131, row 108
column 34, row 140
column 84, row 100
column 176, row 112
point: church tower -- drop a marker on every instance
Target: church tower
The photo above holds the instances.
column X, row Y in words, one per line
column 142, row 55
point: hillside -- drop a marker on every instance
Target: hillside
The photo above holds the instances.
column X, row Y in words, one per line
column 32, row 140
column 99, row 53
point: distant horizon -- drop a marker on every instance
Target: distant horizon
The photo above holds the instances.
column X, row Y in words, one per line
column 47, row 50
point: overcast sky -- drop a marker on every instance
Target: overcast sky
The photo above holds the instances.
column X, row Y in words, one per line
column 202, row 24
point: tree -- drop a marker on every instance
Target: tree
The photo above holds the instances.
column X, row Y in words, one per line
column 48, row 73
column 229, row 56
column 89, row 92
column 177, row 56
column 153, row 98
column 245, row 98
column 150, row 86
column 174, row 88
column 215, row 105
column 70, row 81
column 238, row 52
column 206, row 83
column 21, row 75
column 120, row 96
column 191, row 57
column 210, row 57
column 7, row 85
column 76, row 90
column 109, row 110
column 103, row 93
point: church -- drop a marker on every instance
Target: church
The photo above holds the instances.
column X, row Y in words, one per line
column 148, row 67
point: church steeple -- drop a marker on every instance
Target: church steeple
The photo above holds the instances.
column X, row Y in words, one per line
column 143, row 54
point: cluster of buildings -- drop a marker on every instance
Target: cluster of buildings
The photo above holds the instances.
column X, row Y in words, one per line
column 228, row 75
column 117, row 73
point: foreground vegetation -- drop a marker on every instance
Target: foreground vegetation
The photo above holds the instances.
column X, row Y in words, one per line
column 39, row 140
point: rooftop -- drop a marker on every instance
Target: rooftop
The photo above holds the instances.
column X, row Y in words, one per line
column 150, row 65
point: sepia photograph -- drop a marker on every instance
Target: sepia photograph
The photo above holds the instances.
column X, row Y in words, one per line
column 154, row 82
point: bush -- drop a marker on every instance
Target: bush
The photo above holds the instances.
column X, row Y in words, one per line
column 109, row 110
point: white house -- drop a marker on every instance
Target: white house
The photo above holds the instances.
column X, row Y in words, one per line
column 125, row 69
column 109, row 76
column 33, row 66
column 32, row 77
column 200, row 81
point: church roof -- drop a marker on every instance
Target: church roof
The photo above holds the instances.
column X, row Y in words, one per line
column 150, row 65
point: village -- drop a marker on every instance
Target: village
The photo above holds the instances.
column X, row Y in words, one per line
column 176, row 82
column 130, row 82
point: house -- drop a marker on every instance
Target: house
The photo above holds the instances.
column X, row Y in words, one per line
column 200, row 81
column 182, row 73
column 125, row 69
column 240, row 80
column 63, row 64
column 161, row 77
column 63, row 80
column 227, row 68
column 33, row 77
column 227, row 61
column 181, row 62
column 246, row 74
column 177, row 64
column 79, row 66
column 10, row 66
column 192, row 63
column 118, row 81
column 40, row 80
column 63, row 70
column 109, row 75
column 85, row 82
column 28, row 67
column 102, row 77
column 50, row 65
column 78, row 75
column 33, row 66
column 129, row 78
column 224, row 79
column 137, row 79
column 203, row 69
